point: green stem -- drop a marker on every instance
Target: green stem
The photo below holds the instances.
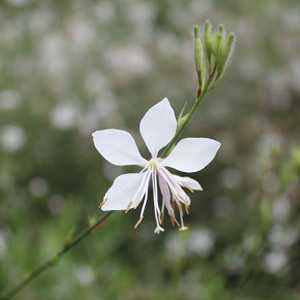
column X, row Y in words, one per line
column 186, row 120
column 55, row 259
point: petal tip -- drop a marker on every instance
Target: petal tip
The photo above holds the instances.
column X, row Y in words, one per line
column 219, row 144
column 165, row 99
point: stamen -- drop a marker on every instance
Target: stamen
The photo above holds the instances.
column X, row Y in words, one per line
column 144, row 204
column 140, row 220
column 158, row 228
column 146, row 186
column 142, row 185
column 187, row 209
column 166, row 194
column 183, row 227
column 162, row 213
column 174, row 221
column 177, row 191
column 184, row 197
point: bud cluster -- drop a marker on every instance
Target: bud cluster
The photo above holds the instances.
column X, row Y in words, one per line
column 213, row 49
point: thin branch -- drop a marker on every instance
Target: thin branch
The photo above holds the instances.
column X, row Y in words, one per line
column 187, row 119
column 55, row 259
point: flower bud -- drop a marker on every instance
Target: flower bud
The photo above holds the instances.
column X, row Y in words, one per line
column 208, row 38
column 220, row 43
column 225, row 55
column 199, row 57
column 212, row 54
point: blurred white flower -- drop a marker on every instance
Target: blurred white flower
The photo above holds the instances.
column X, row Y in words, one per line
column 12, row 138
column 277, row 86
column 167, row 44
column 295, row 74
column 38, row 187
column 53, row 55
column 64, row 115
column 182, row 16
column 9, row 100
column 41, row 20
column 95, row 82
column 203, row 6
column 158, row 128
column 141, row 16
column 104, row 11
column 103, row 109
column 290, row 19
column 275, row 262
column 231, row 178
column 81, row 33
column 233, row 262
column 56, row 204
column 281, row 209
column 11, row 33
column 267, row 142
column 18, row 2
column 175, row 247
column 85, row 275
column 201, row 242
column 128, row 62
column 282, row 237
column 224, row 206
column 3, row 247
column 250, row 68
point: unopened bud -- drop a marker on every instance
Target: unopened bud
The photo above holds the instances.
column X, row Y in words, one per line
column 199, row 57
column 226, row 53
column 220, row 46
column 208, row 38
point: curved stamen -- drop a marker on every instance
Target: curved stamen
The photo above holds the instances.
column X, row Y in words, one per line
column 166, row 198
column 158, row 228
column 145, row 202
column 182, row 194
column 177, row 191
column 183, row 227
column 140, row 188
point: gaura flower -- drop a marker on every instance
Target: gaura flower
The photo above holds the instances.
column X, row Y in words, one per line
column 128, row 191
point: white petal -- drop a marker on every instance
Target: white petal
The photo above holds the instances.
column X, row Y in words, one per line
column 158, row 126
column 189, row 183
column 124, row 190
column 142, row 190
column 118, row 147
column 192, row 154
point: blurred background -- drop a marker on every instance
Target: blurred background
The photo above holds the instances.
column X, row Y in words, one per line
column 70, row 67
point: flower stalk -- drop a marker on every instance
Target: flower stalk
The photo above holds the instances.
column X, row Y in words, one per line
column 212, row 54
column 51, row 262
column 212, row 51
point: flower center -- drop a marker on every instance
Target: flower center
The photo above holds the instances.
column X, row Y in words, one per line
column 154, row 163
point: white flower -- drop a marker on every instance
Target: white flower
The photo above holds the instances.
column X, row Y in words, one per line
column 12, row 138
column 157, row 127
